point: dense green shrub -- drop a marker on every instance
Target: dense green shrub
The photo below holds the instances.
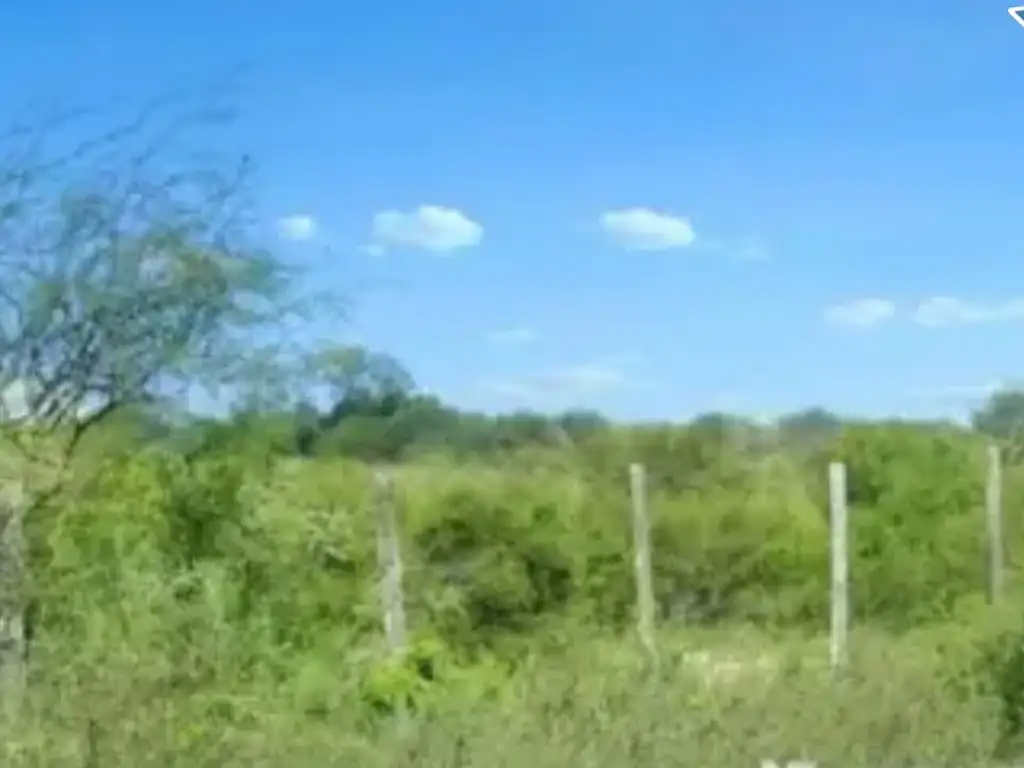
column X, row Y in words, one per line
column 495, row 554
column 228, row 586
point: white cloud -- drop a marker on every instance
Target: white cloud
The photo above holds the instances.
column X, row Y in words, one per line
column 374, row 249
column 944, row 311
column 517, row 334
column 297, row 227
column 431, row 227
column 642, row 229
column 932, row 312
column 861, row 313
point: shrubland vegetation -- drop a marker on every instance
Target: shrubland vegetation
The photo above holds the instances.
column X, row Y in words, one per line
column 202, row 591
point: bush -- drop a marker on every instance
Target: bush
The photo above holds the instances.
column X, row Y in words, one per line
column 223, row 609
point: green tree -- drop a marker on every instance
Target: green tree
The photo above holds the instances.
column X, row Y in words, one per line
column 1002, row 417
column 809, row 430
column 368, row 390
column 129, row 273
column 359, row 380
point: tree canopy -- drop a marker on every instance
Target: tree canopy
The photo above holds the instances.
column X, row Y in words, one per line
column 129, row 275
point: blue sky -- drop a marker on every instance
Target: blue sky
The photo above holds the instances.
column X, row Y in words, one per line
column 650, row 207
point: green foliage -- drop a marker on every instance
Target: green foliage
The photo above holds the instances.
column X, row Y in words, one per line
column 916, row 496
column 214, row 571
column 494, row 553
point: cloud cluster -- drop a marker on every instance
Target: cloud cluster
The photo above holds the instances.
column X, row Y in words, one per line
column 931, row 312
column 941, row 311
column 430, row 227
column 861, row 313
column 643, row 229
column 443, row 229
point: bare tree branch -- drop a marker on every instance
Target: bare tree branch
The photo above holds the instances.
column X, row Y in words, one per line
column 126, row 266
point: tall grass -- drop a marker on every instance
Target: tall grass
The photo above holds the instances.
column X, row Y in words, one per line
column 598, row 703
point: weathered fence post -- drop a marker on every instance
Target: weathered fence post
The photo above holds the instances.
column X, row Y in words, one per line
column 994, row 524
column 642, row 553
column 840, row 566
column 389, row 557
column 13, row 576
